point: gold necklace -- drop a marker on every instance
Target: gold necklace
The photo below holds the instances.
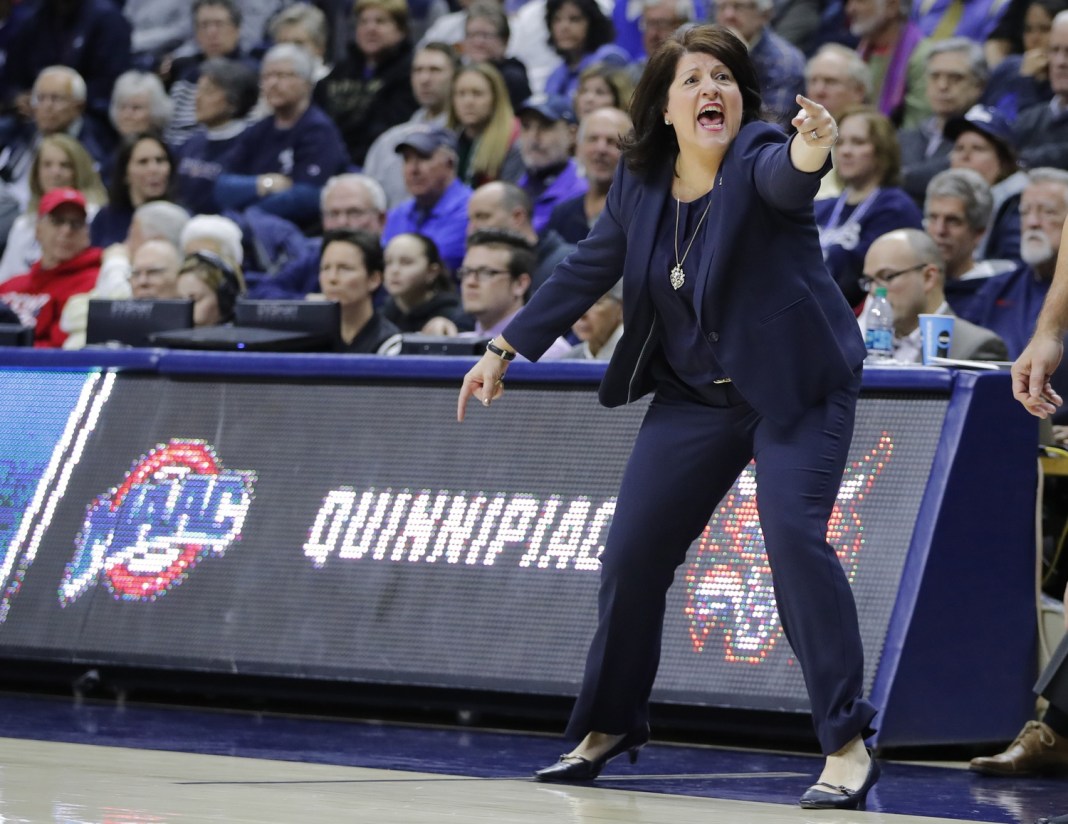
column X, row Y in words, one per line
column 678, row 276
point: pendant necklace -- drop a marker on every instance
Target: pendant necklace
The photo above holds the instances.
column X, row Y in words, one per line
column 678, row 276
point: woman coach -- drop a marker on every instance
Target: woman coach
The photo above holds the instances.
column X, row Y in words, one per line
column 733, row 320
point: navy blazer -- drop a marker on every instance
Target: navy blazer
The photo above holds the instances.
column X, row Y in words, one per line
column 776, row 321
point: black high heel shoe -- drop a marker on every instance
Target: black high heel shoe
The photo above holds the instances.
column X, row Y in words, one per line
column 842, row 798
column 577, row 768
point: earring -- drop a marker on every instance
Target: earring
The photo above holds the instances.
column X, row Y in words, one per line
column 667, row 122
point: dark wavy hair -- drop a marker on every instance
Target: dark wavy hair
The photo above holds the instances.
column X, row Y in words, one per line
column 119, row 190
column 599, row 31
column 653, row 142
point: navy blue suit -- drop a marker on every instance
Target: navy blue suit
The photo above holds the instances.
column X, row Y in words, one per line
column 779, row 327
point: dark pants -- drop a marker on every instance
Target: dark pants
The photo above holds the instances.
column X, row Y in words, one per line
column 686, row 457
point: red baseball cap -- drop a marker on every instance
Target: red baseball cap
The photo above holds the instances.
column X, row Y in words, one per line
column 52, row 200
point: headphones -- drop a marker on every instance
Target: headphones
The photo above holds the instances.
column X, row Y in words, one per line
column 232, row 286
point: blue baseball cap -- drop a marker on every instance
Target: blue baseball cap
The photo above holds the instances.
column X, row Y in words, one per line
column 989, row 122
column 552, row 107
column 427, row 139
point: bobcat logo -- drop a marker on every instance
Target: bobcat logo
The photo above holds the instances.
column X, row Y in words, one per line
column 729, row 593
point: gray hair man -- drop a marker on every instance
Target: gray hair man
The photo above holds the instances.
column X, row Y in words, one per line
column 348, row 201
column 837, row 79
column 57, row 105
column 598, row 152
column 155, row 220
column 955, row 73
column 657, row 21
column 1009, row 304
column 955, row 214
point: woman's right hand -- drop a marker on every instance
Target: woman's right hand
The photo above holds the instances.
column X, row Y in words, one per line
column 485, row 381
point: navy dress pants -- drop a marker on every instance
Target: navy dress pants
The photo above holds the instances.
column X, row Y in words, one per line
column 686, row 457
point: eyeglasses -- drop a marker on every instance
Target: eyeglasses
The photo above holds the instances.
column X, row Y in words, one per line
column 866, row 281
column 736, row 7
column 480, row 273
column 354, row 213
column 663, row 26
column 150, row 273
column 216, row 24
column 278, row 75
column 75, row 224
column 50, row 99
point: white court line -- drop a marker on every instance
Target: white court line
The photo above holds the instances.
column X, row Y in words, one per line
column 422, row 778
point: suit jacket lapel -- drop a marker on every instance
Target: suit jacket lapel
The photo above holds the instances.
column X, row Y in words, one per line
column 643, row 224
column 721, row 225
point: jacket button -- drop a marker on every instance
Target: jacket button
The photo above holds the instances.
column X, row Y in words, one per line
column 713, row 336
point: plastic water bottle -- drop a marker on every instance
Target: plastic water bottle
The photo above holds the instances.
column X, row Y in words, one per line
column 879, row 328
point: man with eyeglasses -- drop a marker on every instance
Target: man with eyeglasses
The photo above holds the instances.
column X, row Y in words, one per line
column 216, row 26
column 280, row 163
column 154, row 271
column 92, row 37
column 348, row 201
column 908, row 264
column 658, row 21
column 495, row 283
column 68, row 266
column 57, row 105
column 955, row 74
column 503, row 205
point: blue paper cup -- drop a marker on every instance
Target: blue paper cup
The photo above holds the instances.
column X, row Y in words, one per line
column 936, row 334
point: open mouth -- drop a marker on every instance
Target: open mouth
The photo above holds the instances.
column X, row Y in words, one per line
column 711, row 117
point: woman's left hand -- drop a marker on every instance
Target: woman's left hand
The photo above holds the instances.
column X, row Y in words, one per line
column 814, row 124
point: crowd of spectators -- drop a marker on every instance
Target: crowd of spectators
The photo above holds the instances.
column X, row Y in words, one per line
column 271, row 126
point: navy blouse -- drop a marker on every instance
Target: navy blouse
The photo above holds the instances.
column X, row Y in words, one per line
column 684, row 345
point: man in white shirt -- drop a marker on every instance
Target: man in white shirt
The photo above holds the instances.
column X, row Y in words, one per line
column 495, row 283
column 908, row 264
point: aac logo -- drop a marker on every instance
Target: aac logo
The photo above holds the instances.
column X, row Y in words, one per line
column 175, row 506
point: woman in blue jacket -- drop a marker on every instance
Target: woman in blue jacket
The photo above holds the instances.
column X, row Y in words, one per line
column 733, row 321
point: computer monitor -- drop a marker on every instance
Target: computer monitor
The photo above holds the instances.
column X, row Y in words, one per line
column 416, row 343
column 15, row 334
column 319, row 321
column 131, row 322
